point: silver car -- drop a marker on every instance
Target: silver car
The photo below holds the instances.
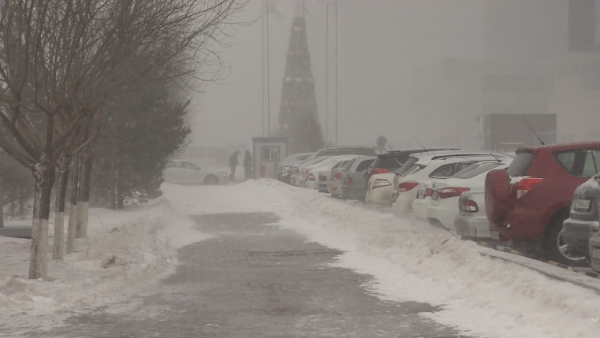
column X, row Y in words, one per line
column 583, row 219
column 354, row 179
column 594, row 248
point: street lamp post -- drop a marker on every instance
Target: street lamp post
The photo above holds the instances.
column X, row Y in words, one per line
column 1, row 203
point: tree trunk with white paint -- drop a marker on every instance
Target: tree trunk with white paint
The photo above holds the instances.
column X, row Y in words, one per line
column 73, row 212
column 58, row 250
column 83, row 197
column 44, row 179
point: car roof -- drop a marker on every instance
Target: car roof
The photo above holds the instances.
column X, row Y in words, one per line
column 559, row 147
column 450, row 153
column 416, row 151
column 458, row 154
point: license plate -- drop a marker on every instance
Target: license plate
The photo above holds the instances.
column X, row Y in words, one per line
column 596, row 253
column 495, row 235
column 582, row 204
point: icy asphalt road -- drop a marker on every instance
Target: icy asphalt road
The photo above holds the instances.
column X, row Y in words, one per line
column 255, row 280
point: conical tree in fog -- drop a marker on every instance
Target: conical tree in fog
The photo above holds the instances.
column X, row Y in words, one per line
column 298, row 118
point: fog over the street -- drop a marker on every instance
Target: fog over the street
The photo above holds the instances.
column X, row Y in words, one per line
column 414, row 68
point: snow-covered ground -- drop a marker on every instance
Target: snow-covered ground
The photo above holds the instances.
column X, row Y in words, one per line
column 410, row 261
column 125, row 250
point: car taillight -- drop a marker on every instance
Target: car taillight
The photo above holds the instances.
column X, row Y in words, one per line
column 337, row 176
column 376, row 171
column 450, row 192
column 380, row 183
column 526, row 184
column 428, row 192
column 407, row 186
column 468, row 206
column 311, row 177
column 348, row 181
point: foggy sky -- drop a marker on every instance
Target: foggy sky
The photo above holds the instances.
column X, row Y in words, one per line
column 407, row 69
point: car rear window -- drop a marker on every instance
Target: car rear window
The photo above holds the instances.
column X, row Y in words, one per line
column 476, row 169
column 363, row 166
column 386, row 161
column 409, row 164
column 520, row 164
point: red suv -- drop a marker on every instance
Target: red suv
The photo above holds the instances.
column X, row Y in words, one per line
column 528, row 201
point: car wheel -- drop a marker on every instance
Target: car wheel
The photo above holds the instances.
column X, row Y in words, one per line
column 211, row 180
column 555, row 247
column 497, row 196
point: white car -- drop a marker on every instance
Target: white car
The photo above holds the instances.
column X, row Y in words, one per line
column 185, row 172
column 444, row 207
column 296, row 168
column 318, row 178
column 379, row 190
column 413, row 184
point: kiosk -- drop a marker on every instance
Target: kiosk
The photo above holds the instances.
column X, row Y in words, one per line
column 268, row 153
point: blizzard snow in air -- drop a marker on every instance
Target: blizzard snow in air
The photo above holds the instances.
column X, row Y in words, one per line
column 409, row 261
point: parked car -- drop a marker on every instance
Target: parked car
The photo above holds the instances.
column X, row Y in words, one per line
column 336, row 180
column 395, row 159
column 306, row 175
column 471, row 221
column 318, row 177
column 405, row 186
column 529, row 201
column 440, row 169
column 583, row 221
column 344, row 150
column 595, row 251
column 185, row 172
column 295, row 170
column 282, row 171
column 298, row 157
column 353, row 180
column 444, row 207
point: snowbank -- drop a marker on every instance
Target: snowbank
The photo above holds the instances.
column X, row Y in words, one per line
column 411, row 261
column 125, row 250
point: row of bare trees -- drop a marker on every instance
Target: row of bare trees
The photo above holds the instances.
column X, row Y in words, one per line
column 61, row 61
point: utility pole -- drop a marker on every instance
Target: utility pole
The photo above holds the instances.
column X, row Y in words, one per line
column 263, row 67
column 326, row 68
column 1, row 203
column 336, row 73
column 268, row 78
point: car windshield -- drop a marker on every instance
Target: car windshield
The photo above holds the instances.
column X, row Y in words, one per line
column 282, row 168
column 407, row 166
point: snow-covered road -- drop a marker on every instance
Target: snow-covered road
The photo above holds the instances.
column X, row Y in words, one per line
column 410, row 261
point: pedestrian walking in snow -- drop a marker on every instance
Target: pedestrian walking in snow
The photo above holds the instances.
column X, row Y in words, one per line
column 233, row 163
column 248, row 165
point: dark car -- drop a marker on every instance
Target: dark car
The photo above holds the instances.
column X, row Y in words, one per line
column 583, row 221
column 529, row 201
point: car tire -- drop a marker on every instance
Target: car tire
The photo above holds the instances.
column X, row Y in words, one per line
column 555, row 248
column 497, row 196
column 211, row 180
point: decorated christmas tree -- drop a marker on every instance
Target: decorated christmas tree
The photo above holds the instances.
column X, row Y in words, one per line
column 298, row 118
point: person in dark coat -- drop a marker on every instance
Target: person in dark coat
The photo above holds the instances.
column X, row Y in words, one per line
column 248, row 165
column 233, row 162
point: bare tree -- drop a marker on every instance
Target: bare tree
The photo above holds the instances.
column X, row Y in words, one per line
column 61, row 59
